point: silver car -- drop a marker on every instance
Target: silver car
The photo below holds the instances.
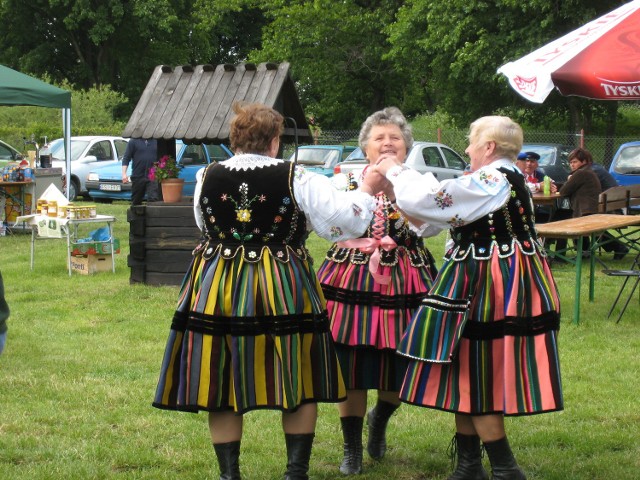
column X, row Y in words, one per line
column 442, row 161
column 87, row 154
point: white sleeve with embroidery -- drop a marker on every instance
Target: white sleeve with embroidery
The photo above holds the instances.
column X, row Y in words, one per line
column 197, row 211
column 332, row 214
column 452, row 202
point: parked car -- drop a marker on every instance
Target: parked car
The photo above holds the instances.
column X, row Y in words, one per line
column 322, row 158
column 8, row 154
column 625, row 166
column 553, row 159
column 87, row 153
column 105, row 184
column 436, row 158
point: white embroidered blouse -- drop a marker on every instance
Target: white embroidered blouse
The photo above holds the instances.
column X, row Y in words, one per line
column 453, row 202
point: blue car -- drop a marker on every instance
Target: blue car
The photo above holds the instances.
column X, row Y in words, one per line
column 105, row 184
column 625, row 166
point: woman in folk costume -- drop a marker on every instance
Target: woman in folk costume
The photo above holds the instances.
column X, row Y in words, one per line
column 373, row 285
column 251, row 328
column 484, row 343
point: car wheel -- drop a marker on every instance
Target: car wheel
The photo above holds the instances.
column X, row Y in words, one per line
column 73, row 191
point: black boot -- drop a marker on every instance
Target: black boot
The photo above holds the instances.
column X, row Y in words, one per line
column 467, row 450
column 377, row 420
column 503, row 465
column 228, row 455
column 352, row 434
column 298, row 455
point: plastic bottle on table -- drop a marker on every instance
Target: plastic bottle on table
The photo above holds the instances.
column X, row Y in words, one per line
column 546, row 185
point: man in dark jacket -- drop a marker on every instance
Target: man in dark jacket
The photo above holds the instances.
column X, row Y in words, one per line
column 143, row 153
column 606, row 179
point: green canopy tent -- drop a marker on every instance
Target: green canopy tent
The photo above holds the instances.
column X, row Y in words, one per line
column 19, row 89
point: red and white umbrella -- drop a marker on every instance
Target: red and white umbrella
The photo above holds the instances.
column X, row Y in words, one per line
column 599, row 60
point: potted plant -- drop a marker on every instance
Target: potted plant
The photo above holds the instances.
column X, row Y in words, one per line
column 166, row 171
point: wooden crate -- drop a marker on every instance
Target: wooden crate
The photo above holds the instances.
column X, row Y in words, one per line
column 90, row 264
column 161, row 239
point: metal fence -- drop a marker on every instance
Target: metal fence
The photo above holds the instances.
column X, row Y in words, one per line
column 602, row 148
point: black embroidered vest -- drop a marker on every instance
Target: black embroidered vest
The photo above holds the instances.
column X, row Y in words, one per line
column 503, row 229
column 248, row 210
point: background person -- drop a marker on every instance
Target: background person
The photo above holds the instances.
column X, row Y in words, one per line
column 372, row 286
column 4, row 315
column 527, row 162
column 606, row 180
column 143, row 153
column 583, row 189
column 251, row 330
column 495, row 290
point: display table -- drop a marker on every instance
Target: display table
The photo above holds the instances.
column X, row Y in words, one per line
column 44, row 227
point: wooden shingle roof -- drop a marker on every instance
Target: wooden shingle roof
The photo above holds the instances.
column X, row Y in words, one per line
column 194, row 103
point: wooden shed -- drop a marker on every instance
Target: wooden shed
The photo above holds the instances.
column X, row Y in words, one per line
column 194, row 104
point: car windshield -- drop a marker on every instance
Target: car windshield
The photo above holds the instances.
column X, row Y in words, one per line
column 56, row 149
column 317, row 157
column 628, row 161
column 547, row 154
column 216, row 152
column 355, row 155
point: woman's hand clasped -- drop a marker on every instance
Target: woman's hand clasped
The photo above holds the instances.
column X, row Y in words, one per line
column 373, row 181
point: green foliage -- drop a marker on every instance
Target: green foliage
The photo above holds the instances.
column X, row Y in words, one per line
column 348, row 58
column 96, row 107
column 336, row 50
column 92, row 113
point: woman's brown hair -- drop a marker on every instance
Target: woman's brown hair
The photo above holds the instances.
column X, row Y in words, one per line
column 254, row 127
column 581, row 154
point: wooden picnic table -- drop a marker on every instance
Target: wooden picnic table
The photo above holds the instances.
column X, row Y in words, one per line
column 590, row 226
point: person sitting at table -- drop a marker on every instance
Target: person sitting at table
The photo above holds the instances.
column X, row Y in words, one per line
column 607, row 180
column 527, row 163
column 583, row 187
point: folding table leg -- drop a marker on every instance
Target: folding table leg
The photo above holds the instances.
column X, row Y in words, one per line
column 635, row 285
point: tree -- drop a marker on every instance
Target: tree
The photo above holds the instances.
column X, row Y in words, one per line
column 461, row 43
column 337, row 54
column 92, row 43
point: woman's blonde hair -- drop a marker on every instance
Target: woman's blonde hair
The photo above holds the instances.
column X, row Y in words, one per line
column 254, row 127
column 506, row 134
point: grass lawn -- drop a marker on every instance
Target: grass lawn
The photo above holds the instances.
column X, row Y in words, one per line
column 80, row 368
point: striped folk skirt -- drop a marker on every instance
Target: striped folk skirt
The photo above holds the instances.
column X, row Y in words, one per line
column 368, row 318
column 506, row 360
column 249, row 335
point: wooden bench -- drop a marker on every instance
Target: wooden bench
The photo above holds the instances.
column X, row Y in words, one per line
column 614, row 198
column 634, row 197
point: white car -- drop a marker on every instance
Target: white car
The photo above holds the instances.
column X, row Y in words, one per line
column 87, row 154
column 442, row 161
